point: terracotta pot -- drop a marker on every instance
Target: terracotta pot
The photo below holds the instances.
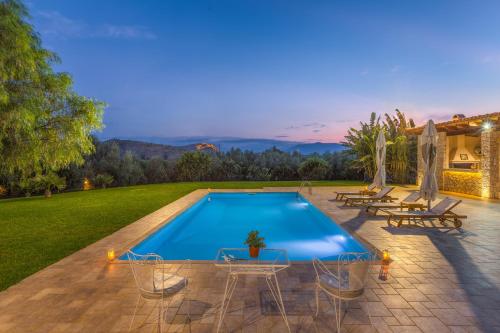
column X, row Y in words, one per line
column 254, row 251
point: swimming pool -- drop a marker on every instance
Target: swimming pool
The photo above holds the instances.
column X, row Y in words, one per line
column 222, row 220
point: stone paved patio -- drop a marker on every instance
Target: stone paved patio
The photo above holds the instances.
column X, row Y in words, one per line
column 439, row 282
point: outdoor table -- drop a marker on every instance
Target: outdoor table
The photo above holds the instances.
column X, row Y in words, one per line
column 238, row 262
column 413, row 205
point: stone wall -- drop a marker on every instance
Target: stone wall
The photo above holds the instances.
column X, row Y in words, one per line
column 463, row 182
column 489, row 163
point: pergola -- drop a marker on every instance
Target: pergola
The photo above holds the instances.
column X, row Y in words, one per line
column 465, row 125
column 467, row 154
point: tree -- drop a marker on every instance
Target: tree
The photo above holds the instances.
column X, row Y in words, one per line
column 130, row 171
column 193, row 166
column 282, row 165
column 230, row 169
column 28, row 186
column 103, row 180
column 340, row 165
column 314, row 168
column 255, row 172
column 362, row 143
column 106, row 159
column 399, row 148
column 156, row 170
column 44, row 124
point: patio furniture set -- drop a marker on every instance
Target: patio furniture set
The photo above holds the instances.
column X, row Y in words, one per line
column 408, row 209
column 343, row 280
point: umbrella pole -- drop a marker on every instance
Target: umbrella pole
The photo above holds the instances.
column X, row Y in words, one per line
column 429, row 204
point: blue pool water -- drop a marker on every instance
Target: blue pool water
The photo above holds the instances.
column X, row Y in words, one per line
column 218, row 220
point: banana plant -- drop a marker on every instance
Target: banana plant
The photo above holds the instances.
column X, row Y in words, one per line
column 362, row 143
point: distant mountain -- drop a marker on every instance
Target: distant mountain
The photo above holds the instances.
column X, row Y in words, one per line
column 147, row 150
column 222, row 143
column 256, row 145
column 317, row 147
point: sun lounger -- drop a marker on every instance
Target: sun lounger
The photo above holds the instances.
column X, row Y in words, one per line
column 368, row 191
column 410, row 203
column 382, row 195
column 441, row 211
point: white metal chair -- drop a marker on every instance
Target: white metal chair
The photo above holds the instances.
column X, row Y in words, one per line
column 155, row 282
column 342, row 280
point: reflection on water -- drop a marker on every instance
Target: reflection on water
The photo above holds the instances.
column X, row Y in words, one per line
column 285, row 220
column 328, row 246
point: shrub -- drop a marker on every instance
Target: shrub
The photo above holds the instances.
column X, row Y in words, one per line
column 103, row 180
column 50, row 182
column 28, row 186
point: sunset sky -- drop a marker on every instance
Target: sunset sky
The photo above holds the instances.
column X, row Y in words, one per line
column 293, row 70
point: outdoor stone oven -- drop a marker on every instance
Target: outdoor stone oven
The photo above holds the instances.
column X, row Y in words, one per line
column 467, row 155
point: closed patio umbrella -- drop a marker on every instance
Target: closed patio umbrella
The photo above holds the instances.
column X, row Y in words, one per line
column 379, row 179
column 428, row 144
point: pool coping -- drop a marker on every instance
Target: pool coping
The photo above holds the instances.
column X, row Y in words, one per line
column 200, row 194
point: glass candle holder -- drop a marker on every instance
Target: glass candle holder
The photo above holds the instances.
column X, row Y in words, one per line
column 111, row 255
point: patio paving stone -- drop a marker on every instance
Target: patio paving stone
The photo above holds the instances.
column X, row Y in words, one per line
column 439, row 281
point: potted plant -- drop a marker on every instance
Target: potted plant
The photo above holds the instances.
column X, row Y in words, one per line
column 255, row 243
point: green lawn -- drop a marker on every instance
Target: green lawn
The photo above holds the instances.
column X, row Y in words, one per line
column 36, row 232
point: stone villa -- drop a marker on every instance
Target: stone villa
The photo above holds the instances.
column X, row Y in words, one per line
column 467, row 155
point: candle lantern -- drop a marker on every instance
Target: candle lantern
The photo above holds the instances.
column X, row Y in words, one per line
column 385, row 256
column 87, row 185
column 384, row 267
column 111, row 255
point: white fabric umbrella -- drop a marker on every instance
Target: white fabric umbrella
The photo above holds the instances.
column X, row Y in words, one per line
column 428, row 144
column 379, row 179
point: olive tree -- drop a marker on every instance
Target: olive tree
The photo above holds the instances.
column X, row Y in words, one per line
column 314, row 168
column 193, row 166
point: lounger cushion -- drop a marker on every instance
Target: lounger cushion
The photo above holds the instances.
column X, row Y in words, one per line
column 385, row 204
column 354, row 197
column 171, row 283
column 412, row 213
column 330, row 283
column 347, row 192
column 369, row 188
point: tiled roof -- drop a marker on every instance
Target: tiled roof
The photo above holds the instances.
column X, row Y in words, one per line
column 460, row 125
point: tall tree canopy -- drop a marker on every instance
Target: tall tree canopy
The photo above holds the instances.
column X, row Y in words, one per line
column 44, row 124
